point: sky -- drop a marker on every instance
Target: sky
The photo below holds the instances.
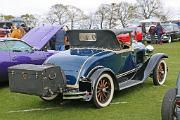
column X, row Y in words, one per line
column 40, row 7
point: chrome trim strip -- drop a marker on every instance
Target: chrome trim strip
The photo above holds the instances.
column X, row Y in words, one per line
column 126, row 73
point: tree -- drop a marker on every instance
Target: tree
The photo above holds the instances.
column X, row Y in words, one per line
column 74, row 14
column 87, row 21
column 101, row 13
column 8, row 17
column 90, row 22
column 50, row 18
column 125, row 12
column 149, row 8
column 30, row 20
column 58, row 12
column 111, row 16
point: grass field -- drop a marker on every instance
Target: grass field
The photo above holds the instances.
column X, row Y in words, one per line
column 141, row 102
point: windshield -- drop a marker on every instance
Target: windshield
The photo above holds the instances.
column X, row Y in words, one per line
column 168, row 27
column 3, row 46
column 171, row 27
column 17, row 45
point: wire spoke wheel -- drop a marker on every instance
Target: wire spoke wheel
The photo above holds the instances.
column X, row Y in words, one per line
column 103, row 87
column 103, row 91
column 160, row 73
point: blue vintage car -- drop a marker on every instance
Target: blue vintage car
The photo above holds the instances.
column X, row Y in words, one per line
column 94, row 67
column 170, row 109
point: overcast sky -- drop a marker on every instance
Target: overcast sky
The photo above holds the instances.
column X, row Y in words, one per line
column 19, row 7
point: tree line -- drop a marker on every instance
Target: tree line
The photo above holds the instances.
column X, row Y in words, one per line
column 107, row 16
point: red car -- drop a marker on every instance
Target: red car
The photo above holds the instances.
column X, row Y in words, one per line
column 137, row 35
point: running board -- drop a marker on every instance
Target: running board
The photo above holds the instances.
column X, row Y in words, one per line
column 129, row 83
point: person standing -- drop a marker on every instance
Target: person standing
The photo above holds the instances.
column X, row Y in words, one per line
column 159, row 32
column 61, row 39
column 152, row 31
column 143, row 32
column 21, row 28
column 59, row 44
column 16, row 33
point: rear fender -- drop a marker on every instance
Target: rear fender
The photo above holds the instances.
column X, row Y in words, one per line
column 96, row 74
column 144, row 72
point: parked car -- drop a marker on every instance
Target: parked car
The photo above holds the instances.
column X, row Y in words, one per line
column 92, row 69
column 171, row 32
column 136, row 33
column 170, row 109
column 28, row 50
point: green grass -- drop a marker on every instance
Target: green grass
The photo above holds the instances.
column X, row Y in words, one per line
column 141, row 102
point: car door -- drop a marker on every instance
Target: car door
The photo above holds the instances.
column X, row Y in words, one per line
column 125, row 59
column 22, row 53
column 126, row 63
column 5, row 61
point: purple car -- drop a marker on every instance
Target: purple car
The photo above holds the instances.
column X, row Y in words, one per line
column 28, row 50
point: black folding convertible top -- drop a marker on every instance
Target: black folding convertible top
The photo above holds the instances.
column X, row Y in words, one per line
column 105, row 39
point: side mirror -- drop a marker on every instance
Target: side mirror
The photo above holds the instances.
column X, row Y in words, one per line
column 149, row 49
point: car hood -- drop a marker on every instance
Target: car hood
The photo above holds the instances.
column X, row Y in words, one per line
column 71, row 61
column 39, row 36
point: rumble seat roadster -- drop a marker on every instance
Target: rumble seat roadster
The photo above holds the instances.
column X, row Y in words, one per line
column 94, row 67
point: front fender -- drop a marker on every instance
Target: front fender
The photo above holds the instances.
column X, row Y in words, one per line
column 153, row 61
column 97, row 73
column 148, row 66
